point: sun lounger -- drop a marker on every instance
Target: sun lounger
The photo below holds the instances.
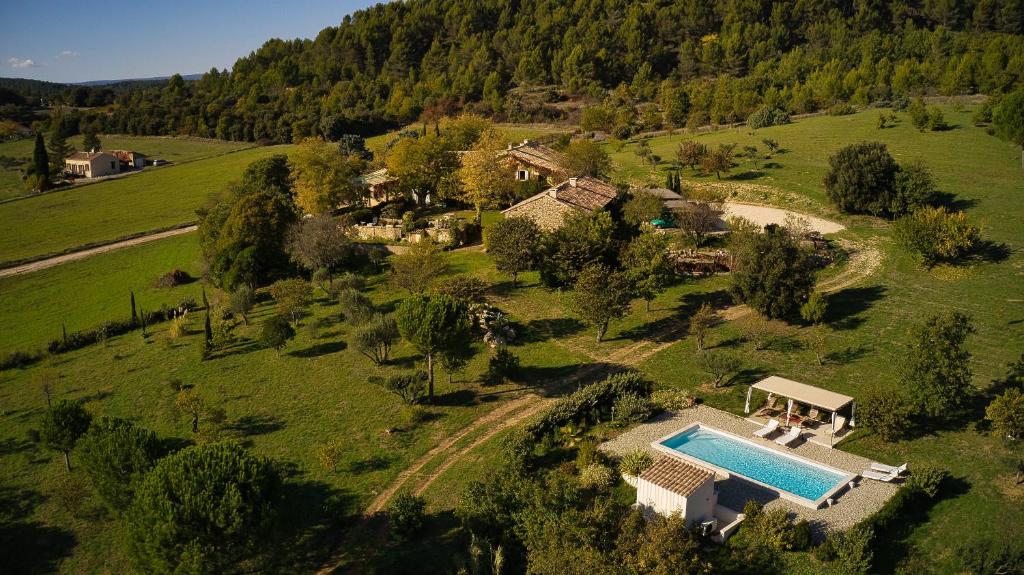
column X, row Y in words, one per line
column 768, row 428
column 793, row 435
column 898, row 470
column 878, row 476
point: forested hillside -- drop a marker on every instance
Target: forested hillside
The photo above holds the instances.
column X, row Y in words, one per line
column 666, row 63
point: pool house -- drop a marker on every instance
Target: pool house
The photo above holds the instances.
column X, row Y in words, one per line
column 824, row 417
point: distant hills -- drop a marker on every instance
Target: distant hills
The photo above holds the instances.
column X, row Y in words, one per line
column 133, row 80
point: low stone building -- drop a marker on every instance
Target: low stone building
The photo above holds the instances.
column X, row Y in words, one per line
column 550, row 207
column 91, row 164
column 534, row 162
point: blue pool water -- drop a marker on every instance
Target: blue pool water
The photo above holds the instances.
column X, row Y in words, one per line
column 759, row 463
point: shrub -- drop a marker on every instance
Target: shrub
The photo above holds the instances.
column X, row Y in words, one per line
column 672, row 400
column 179, row 327
column 840, row 109
column 20, row 359
column 356, row 307
column 849, row 552
column 862, row 178
column 935, row 235
column 502, row 366
column 406, row 515
column 348, row 280
column 276, row 332
column 914, row 189
column 636, row 462
column 589, row 404
column 62, row 426
column 597, row 476
column 886, row 411
column 375, row 339
column 465, row 287
column 631, row 408
column 719, row 366
column 772, row 528
column 330, row 454
column 173, row 278
column 1006, row 412
column 815, row 308
column 410, row 387
column 764, row 117
column 926, row 480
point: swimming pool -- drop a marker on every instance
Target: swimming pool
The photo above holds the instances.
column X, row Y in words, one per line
column 795, row 478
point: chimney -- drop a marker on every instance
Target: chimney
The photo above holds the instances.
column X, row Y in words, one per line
column 526, row 142
column 92, row 151
column 572, row 182
column 510, row 146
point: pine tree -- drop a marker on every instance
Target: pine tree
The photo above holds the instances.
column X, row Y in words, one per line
column 90, row 141
column 59, row 149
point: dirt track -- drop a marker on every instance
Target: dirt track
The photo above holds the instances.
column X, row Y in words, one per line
column 74, row 256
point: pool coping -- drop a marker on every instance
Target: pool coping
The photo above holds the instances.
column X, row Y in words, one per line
column 814, row 504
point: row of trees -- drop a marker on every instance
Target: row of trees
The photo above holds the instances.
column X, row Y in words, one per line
column 675, row 63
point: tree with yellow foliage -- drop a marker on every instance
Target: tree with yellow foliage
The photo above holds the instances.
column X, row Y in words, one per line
column 323, row 177
column 486, row 178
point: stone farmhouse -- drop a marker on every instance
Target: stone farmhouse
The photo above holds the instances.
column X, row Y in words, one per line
column 549, row 207
column 130, row 159
column 534, row 162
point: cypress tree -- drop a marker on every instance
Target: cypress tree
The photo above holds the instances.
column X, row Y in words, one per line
column 59, row 148
column 670, row 182
column 64, row 333
column 206, row 302
column 208, row 329
column 40, row 159
column 135, row 316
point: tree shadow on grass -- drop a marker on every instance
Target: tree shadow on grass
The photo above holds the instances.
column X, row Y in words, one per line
column 561, row 380
column 459, row 397
column 847, row 355
column 538, row 330
column 240, row 347
column 256, row 425
column 370, row 464
column 717, row 299
column 846, row 305
column 320, row 349
column 312, row 518
column 746, row 176
column 991, row 252
column 747, row 376
column 955, row 203
column 29, row 546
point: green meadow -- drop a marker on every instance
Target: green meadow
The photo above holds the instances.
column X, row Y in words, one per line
column 173, row 149
column 85, row 293
column 288, row 405
column 152, row 199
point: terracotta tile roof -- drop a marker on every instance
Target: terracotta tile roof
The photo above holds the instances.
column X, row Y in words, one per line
column 538, row 156
column 586, row 192
column 676, row 476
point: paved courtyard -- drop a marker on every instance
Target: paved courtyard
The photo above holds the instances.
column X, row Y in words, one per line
column 851, row 505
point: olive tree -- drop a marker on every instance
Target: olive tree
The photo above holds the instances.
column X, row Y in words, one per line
column 771, row 273
column 599, row 296
column 513, row 244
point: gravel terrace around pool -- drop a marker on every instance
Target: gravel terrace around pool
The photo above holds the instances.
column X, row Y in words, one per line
column 851, row 505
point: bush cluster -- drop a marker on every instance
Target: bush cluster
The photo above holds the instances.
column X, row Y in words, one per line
column 590, row 404
column 765, row 116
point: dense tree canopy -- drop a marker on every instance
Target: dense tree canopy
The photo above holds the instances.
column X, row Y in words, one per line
column 862, row 179
column 696, row 61
column 433, row 324
column 116, row 455
column 772, row 274
column 206, row 509
column 514, row 244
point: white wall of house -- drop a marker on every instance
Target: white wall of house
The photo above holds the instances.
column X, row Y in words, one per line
column 697, row 507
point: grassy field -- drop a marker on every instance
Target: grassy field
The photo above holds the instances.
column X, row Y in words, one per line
column 287, row 405
column 867, row 324
column 514, row 133
column 85, row 293
column 174, row 150
column 115, row 208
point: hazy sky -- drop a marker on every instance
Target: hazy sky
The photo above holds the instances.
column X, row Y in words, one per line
column 77, row 41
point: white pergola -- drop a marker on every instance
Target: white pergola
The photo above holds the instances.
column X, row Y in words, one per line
column 806, row 394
